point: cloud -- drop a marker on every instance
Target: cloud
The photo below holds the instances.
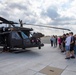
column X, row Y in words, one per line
column 18, row 6
column 52, row 13
column 64, row 21
column 4, row 14
column 56, row 12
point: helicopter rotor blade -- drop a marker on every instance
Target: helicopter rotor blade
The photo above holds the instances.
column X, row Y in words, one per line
column 7, row 21
column 21, row 24
column 50, row 27
column 11, row 22
column 4, row 20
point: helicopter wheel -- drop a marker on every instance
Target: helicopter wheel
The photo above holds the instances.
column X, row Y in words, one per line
column 23, row 48
column 9, row 49
column 39, row 47
column 5, row 48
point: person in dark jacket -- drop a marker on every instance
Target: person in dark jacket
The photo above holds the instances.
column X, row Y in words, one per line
column 51, row 41
column 72, row 43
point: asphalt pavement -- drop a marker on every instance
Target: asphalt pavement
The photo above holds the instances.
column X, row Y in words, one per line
column 33, row 60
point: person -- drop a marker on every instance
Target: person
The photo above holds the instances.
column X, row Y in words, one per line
column 75, row 44
column 63, row 43
column 72, row 43
column 67, row 46
column 59, row 41
column 54, row 41
column 51, row 41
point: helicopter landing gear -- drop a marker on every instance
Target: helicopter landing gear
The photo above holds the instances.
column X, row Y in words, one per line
column 39, row 47
column 6, row 49
column 23, row 48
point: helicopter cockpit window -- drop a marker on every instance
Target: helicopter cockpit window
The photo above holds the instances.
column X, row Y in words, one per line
column 24, row 35
column 15, row 35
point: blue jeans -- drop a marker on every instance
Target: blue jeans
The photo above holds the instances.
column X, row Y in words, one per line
column 67, row 48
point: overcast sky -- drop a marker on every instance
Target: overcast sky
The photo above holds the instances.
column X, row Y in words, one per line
column 60, row 13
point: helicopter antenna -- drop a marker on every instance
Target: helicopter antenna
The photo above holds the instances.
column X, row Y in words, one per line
column 21, row 25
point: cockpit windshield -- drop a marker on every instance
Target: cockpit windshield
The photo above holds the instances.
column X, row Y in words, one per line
column 24, row 35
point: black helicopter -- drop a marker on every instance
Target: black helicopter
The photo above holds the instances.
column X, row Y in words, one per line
column 19, row 37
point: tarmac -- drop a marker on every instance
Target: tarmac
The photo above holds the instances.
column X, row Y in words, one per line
column 33, row 60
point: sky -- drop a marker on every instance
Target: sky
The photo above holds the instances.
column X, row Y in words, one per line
column 57, row 13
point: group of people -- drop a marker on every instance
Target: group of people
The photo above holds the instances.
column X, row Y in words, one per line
column 67, row 44
column 53, row 41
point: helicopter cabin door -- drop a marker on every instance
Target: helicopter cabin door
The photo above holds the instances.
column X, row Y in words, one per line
column 16, row 40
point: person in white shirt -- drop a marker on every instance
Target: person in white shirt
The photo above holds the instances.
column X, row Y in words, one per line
column 67, row 46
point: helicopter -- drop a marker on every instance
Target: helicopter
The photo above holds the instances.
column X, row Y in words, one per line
column 19, row 37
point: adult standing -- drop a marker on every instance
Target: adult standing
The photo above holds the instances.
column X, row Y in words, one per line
column 63, row 42
column 75, row 44
column 59, row 41
column 54, row 41
column 51, row 41
column 72, row 43
column 67, row 46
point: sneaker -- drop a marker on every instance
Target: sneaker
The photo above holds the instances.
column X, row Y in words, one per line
column 62, row 51
column 73, row 57
column 67, row 58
